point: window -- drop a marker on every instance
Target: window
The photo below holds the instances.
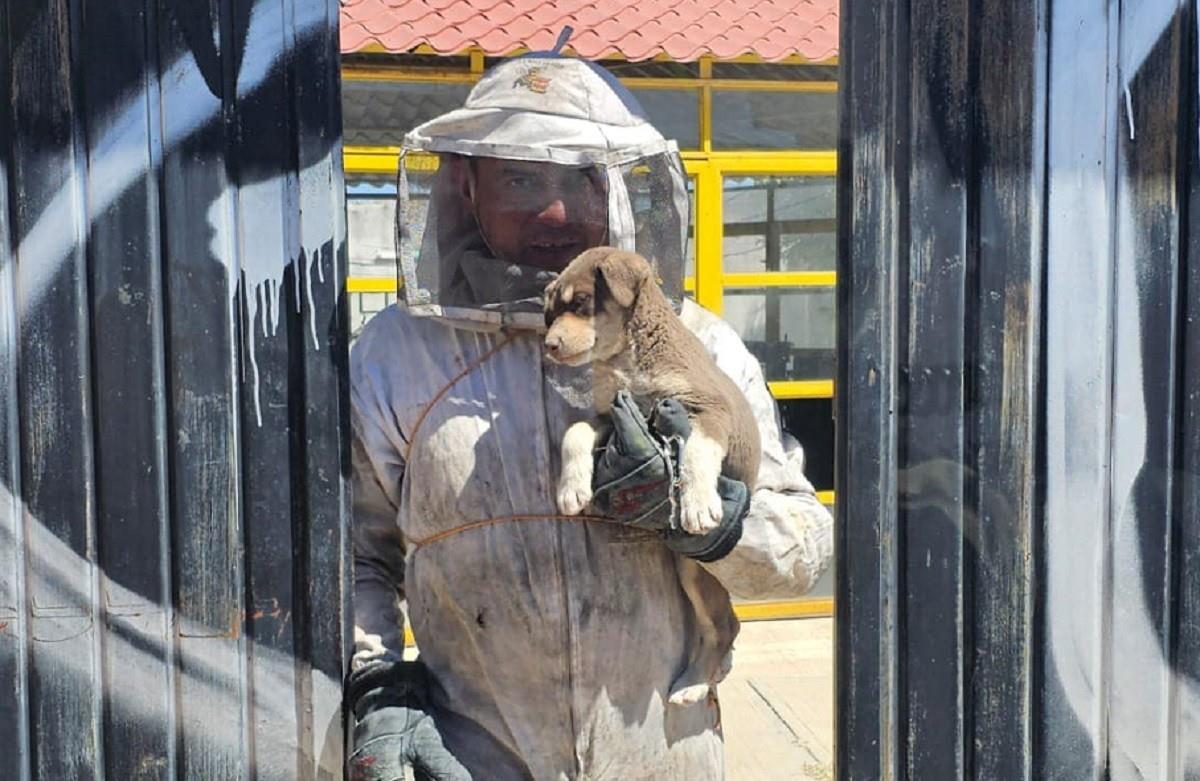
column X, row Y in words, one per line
column 761, row 119
column 790, row 331
column 675, row 112
column 779, row 223
column 370, row 215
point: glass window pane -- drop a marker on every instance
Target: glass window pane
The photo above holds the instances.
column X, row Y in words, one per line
column 789, row 330
column 370, row 209
column 370, row 220
column 779, row 223
column 379, row 113
column 369, row 234
column 675, row 112
column 759, row 119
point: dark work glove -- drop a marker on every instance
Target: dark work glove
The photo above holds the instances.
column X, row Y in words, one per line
column 636, row 479
column 394, row 729
column 716, row 544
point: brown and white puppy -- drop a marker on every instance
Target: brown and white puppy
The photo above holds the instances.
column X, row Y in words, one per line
column 606, row 309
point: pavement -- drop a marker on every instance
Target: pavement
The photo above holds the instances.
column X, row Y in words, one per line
column 777, row 703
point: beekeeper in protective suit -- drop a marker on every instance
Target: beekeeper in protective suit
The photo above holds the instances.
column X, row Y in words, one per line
column 548, row 643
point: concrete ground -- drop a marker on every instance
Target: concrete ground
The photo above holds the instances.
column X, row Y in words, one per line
column 777, row 703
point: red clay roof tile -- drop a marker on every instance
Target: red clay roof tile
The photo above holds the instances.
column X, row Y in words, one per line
column 635, row 29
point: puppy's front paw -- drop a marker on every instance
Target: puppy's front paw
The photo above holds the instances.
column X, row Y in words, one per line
column 700, row 509
column 574, row 492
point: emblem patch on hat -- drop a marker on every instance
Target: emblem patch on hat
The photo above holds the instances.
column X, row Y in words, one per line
column 534, row 81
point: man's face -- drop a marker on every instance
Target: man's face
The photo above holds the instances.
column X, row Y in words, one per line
column 539, row 214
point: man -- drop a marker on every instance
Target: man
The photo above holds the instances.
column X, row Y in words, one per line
column 548, row 643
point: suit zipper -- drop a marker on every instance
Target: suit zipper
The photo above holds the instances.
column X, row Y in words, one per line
column 562, row 578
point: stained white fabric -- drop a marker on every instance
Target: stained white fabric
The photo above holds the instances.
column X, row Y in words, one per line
column 554, row 109
column 554, row 641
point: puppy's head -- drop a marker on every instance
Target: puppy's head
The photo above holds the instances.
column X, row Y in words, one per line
column 588, row 306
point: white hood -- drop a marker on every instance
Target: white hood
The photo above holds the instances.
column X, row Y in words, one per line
column 545, row 109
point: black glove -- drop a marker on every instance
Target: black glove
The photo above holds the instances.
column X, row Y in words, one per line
column 636, row 479
column 394, row 728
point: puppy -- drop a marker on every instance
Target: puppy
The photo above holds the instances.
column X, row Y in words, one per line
column 606, row 308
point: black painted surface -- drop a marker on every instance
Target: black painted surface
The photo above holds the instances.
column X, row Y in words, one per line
column 871, row 217
column 125, row 264
column 173, row 508
column 1017, row 420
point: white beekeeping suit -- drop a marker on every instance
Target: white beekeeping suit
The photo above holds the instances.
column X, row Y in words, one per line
column 553, row 640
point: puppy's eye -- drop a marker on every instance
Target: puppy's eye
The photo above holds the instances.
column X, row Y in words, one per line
column 582, row 304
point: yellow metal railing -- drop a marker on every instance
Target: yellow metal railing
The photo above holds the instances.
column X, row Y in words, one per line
column 780, row 279
column 426, row 49
column 780, row 389
column 372, row 285
column 705, row 81
column 381, row 160
column 801, row 389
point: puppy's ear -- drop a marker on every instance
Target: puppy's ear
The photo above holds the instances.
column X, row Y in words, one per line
column 622, row 275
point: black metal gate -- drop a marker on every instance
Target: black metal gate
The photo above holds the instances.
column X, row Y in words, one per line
column 1019, row 391
column 172, row 502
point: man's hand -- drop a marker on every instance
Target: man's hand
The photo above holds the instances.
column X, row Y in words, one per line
column 394, row 729
column 636, row 479
column 636, row 470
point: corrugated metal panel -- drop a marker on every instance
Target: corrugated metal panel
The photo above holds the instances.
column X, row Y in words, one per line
column 1019, row 425
column 172, row 506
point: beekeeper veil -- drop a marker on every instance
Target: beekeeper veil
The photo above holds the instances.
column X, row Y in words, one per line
column 549, row 156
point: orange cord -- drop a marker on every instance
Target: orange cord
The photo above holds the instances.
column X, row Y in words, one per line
column 412, row 438
column 412, row 435
column 518, row 518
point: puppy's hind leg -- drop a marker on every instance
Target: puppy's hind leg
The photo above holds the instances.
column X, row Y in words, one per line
column 575, row 481
column 709, row 659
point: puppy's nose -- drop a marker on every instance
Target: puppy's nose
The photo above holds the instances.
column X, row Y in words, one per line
column 553, row 344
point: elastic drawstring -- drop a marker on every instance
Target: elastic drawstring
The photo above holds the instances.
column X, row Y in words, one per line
column 472, row 366
column 417, row 543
